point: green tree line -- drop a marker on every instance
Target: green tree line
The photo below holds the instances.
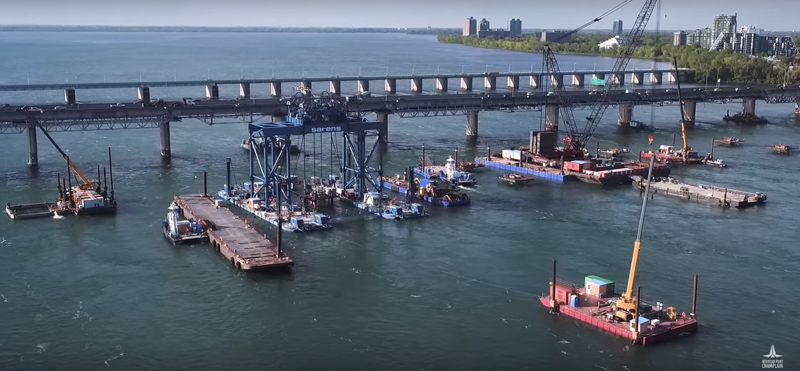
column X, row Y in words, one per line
column 706, row 65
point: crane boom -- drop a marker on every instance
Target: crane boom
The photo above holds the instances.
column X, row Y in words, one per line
column 550, row 64
column 633, row 41
column 87, row 184
column 686, row 147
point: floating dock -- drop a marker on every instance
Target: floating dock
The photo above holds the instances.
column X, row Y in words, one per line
column 232, row 237
column 515, row 166
column 724, row 197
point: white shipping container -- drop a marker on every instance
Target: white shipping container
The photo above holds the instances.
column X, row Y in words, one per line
column 511, row 154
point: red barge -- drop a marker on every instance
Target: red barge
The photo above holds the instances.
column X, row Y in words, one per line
column 624, row 315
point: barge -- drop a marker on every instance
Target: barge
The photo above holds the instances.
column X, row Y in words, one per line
column 610, row 173
column 448, row 172
column 781, row 148
column 625, row 315
column 30, row 211
column 379, row 204
column 429, row 190
column 512, row 178
column 724, row 197
column 179, row 230
column 232, row 237
column 729, row 141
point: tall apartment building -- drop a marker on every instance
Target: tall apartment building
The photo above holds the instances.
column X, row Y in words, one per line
column 515, row 27
column 679, row 38
column 484, row 26
column 470, row 27
column 617, row 28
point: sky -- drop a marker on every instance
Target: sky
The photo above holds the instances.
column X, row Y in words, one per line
column 563, row 14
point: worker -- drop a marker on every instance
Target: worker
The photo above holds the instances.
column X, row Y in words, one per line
column 683, row 315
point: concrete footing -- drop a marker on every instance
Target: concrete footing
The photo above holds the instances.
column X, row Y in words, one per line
column 535, row 81
column 466, row 83
column 557, row 81
column 335, row 88
column 143, row 93
column 416, row 85
column 212, row 92
column 513, row 83
column 244, row 90
column 391, row 86
column 441, row 84
column 749, row 106
column 490, row 83
column 275, row 89
column 363, row 85
column 33, row 145
column 637, row 78
column 625, row 115
column 69, row 96
column 655, row 78
column 578, row 80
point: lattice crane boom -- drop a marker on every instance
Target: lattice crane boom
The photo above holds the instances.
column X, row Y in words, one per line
column 634, row 40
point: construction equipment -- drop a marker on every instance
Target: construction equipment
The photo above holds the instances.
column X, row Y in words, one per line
column 87, row 184
column 626, row 305
column 575, row 139
column 684, row 153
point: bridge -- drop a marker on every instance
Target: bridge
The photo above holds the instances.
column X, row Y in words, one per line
column 159, row 114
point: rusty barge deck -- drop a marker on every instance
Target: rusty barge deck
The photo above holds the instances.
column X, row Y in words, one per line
column 232, row 237
column 714, row 195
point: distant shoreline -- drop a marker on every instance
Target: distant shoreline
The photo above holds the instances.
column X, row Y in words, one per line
column 42, row 28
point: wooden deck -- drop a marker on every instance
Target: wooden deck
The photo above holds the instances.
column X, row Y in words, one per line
column 231, row 236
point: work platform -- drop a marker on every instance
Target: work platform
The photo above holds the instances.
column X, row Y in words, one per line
column 513, row 166
column 724, row 197
column 232, row 237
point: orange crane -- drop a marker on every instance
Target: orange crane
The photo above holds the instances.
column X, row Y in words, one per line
column 88, row 185
column 686, row 149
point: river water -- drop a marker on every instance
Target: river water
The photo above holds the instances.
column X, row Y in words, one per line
column 458, row 290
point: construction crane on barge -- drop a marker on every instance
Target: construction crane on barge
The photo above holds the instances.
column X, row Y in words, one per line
column 87, row 184
column 575, row 141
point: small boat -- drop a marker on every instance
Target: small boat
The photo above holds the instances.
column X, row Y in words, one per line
column 182, row 231
column 640, row 126
column 455, row 177
column 512, row 178
column 781, row 148
column 404, row 211
column 729, row 141
column 714, row 162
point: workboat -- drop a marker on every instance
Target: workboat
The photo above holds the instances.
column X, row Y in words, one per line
column 714, row 162
column 182, row 231
column 781, row 148
column 430, row 190
column 513, row 178
column 596, row 303
column 449, row 172
column 729, row 141
column 745, row 118
column 374, row 202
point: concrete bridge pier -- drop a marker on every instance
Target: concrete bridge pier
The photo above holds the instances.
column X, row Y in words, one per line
column 749, row 106
column 33, row 146
column 143, row 93
column 166, row 150
column 441, row 84
column 577, row 80
column 490, row 83
column 557, row 81
column 655, row 78
column 391, row 86
column 472, row 124
column 305, row 84
column 466, row 83
column 335, row 88
column 275, row 89
column 513, row 83
column 69, row 96
column 637, row 78
column 363, row 85
column 535, row 81
column 384, row 117
column 551, row 118
column 416, row 85
column 244, row 90
column 277, row 117
column 618, row 79
column 625, row 115
column 689, row 113
column 212, row 92
column 672, row 77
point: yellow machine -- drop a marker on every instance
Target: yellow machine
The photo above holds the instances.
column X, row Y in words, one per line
column 87, row 185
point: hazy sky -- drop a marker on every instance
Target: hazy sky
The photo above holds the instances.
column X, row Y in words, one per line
column 564, row 14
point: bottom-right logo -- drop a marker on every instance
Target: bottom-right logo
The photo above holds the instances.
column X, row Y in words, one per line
column 772, row 359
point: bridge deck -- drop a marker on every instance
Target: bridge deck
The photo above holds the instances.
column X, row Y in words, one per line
column 233, row 237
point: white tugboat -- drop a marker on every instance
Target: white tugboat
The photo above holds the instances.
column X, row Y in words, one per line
column 455, row 177
column 180, row 231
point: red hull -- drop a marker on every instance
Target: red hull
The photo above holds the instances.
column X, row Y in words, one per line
column 669, row 330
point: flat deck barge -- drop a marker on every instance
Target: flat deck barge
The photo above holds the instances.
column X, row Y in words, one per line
column 30, row 211
column 554, row 174
column 656, row 324
column 724, row 197
column 232, row 237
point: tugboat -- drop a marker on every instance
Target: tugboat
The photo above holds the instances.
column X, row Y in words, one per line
column 745, row 118
column 455, row 177
column 781, row 148
column 513, row 178
column 729, row 141
column 714, row 162
column 180, row 231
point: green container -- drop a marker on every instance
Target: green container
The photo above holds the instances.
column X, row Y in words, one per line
column 609, row 283
column 598, row 82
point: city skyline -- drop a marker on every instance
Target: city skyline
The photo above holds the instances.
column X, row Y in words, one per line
column 675, row 15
